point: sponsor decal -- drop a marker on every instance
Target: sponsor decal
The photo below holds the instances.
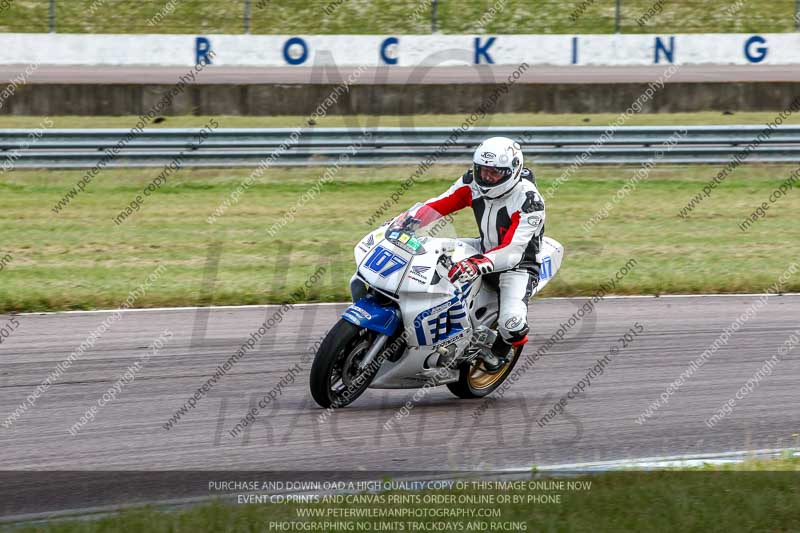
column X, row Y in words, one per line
column 370, row 240
column 361, row 311
column 384, row 262
column 393, row 235
column 404, row 237
column 535, row 220
column 513, row 323
column 442, row 322
column 417, row 273
column 488, row 155
column 450, row 340
column 547, row 268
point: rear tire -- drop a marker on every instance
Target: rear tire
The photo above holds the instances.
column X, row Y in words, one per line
column 473, row 382
column 334, row 380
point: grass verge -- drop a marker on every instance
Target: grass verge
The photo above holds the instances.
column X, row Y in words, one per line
column 752, row 496
column 80, row 259
column 332, row 121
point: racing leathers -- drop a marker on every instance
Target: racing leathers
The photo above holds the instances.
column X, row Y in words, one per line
column 511, row 228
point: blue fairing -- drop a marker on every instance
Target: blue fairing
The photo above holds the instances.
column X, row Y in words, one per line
column 367, row 313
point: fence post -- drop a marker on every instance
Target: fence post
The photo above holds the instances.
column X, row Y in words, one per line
column 52, row 16
column 433, row 16
column 797, row 15
column 617, row 17
column 247, row 16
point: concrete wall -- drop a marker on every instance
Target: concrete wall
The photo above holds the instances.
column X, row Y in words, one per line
column 89, row 99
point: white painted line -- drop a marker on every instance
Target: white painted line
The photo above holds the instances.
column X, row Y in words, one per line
column 265, row 306
column 649, row 463
column 190, row 308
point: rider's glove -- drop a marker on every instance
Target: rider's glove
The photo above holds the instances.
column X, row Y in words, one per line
column 411, row 224
column 470, row 268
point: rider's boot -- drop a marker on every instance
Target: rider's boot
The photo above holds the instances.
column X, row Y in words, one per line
column 498, row 357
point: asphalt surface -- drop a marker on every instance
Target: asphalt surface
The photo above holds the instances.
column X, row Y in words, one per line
column 441, row 432
column 57, row 74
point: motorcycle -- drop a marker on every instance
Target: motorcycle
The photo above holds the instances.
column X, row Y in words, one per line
column 409, row 326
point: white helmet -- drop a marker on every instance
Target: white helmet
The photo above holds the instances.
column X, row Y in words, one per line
column 497, row 154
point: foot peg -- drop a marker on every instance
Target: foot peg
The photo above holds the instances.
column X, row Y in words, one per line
column 484, row 340
column 492, row 363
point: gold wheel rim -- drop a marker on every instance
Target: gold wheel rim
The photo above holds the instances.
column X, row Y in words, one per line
column 480, row 379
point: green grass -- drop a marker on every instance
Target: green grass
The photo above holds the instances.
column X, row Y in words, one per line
column 758, row 496
column 330, row 121
column 80, row 259
column 397, row 16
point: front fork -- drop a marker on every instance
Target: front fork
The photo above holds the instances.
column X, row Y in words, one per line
column 374, row 350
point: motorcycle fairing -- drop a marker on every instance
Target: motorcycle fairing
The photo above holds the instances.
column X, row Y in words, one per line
column 368, row 313
column 436, row 324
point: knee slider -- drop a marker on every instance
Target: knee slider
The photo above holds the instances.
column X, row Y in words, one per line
column 517, row 336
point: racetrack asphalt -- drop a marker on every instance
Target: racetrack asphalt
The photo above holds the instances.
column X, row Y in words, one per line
column 441, row 432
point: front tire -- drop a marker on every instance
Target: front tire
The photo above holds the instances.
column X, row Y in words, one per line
column 335, row 380
column 474, row 382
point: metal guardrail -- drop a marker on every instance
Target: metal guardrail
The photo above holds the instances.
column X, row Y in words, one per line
column 235, row 147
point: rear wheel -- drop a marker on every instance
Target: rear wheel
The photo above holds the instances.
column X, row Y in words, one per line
column 336, row 380
column 475, row 382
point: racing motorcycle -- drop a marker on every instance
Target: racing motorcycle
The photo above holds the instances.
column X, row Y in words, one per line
column 409, row 326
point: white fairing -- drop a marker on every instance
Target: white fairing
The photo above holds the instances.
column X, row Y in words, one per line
column 430, row 309
column 549, row 257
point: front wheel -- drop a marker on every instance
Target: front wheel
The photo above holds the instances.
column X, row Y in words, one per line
column 335, row 377
column 475, row 382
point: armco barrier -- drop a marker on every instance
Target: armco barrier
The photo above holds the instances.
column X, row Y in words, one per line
column 83, row 148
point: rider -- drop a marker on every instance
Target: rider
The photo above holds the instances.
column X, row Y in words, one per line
column 510, row 214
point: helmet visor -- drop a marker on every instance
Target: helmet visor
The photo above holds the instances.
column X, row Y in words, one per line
column 491, row 176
